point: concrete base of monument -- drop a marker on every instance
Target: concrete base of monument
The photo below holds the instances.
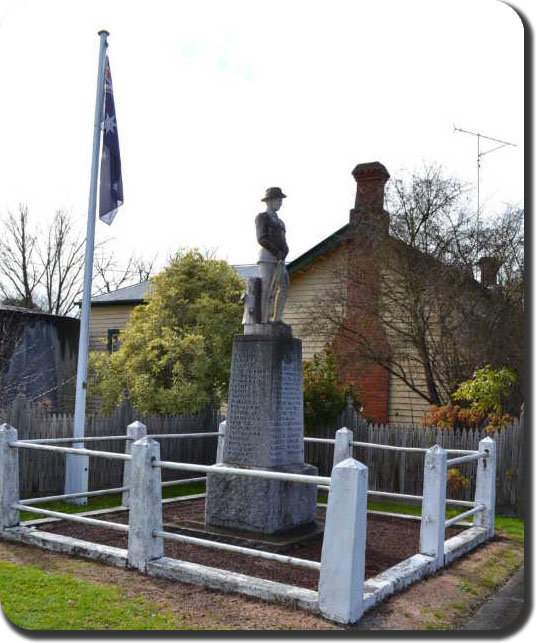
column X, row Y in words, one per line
column 273, row 329
column 261, row 505
column 276, row 543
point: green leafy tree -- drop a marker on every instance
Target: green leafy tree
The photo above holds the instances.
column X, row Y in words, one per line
column 323, row 397
column 175, row 352
column 487, row 390
column 486, row 393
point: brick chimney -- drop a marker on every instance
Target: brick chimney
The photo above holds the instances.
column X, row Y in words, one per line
column 489, row 268
column 368, row 213
column 370, row 223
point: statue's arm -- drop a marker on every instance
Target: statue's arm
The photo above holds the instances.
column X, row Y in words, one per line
column 283, row 252
column 264, row 238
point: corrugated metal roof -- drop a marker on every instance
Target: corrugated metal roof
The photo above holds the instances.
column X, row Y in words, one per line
column 136, row 293
column 32, row 311
column 247, row 271
column 127, row 294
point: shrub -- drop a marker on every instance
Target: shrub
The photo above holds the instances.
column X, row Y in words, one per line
column 323, row 397
column 456, row 481
column 487, row 389
column 485, row 393
column 175, row 352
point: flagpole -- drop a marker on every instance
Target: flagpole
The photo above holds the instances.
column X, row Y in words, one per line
column 76, row 466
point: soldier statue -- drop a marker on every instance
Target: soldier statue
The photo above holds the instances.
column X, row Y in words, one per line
column 272, row 271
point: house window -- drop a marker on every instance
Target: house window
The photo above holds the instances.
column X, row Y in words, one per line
column 113, row 340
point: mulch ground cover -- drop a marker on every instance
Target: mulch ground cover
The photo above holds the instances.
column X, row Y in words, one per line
column 389, row 541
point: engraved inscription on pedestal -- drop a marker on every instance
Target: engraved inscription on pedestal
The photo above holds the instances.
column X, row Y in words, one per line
column 264, row 430
column 265, row 409
column 247, row 409
column 286, row 439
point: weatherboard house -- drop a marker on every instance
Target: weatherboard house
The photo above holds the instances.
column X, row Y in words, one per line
column 315, row 274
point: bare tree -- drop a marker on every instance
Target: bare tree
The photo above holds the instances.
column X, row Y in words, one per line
column 19, row 264
column 110, row 275
column 44, row 269
column 62, row 259
column 409, row 301
column 504, row 241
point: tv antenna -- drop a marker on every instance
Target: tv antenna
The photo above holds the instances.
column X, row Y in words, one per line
column 479, row 155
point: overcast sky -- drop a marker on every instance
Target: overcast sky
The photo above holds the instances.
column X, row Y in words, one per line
column 216, row 101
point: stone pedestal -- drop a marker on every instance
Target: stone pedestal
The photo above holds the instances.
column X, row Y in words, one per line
column 264, row 431
column 260, row 505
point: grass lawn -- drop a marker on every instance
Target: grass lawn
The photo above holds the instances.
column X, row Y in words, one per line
column 514, row 528
column 36, row 597
column 106, row 502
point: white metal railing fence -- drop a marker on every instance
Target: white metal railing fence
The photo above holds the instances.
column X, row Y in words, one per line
column 257, row 553
column 434, row 498
column 342, row 565
column 145, row 528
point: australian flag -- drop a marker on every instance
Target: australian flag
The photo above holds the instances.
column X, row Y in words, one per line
column 111, row 183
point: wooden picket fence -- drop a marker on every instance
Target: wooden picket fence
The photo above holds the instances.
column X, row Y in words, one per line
column 400, row 472
column 43, row 473
column 388, row 470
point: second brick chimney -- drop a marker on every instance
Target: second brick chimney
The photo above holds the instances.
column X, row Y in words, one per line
column 368, row 213
column 489, row 268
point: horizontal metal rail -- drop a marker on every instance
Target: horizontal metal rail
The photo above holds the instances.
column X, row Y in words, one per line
column 388, row 494
column 465, row 514
column 466, row 458
column 67, row 496
column 73, row 517
column 102, row 438
column 248, row 473
column 391, row 514
column 461, row 503
column 391, row 447
column 184, row 435
column 211, row 544
column 320, row 440
column 462, row 451
column 407, row 516
column 100, row 492
column 48, row 447
column 171, row 483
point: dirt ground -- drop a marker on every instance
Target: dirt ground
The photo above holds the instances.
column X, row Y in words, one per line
column 442, row 601
column 389, row 541
column 439, row 602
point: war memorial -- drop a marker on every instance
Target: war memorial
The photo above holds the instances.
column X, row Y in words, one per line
column 261, row 496
column 264, row 427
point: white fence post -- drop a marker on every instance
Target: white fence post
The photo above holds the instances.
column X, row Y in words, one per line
column 342, row 571
column 135, row 431
column 485, row 485
column 343, row 448
column 221, row 442
column 9, row 478
column 432, row 540
column 145, row 515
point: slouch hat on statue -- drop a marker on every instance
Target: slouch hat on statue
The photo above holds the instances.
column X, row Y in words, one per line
column 274, row 193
